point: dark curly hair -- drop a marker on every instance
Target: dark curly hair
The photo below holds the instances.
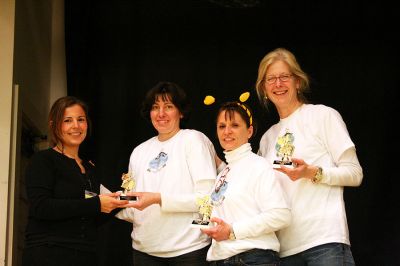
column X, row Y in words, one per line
column 167, row 91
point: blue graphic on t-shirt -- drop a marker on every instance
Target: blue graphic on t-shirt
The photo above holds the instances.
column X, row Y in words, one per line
column 159, row 162
column 217, row 196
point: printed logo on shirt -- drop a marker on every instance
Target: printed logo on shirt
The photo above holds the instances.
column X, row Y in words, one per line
column 158, row 163
column 217, row 196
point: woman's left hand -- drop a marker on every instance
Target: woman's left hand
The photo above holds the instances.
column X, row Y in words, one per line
column 220, row 231
column 300, row 170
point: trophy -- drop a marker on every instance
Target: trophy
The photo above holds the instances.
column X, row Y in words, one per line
column 128, row 184
column 205, row 208
column 284, row 149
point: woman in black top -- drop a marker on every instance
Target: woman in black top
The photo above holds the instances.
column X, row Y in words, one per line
column 64, row 195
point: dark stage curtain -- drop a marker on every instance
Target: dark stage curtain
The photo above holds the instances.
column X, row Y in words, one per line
column 117, row 50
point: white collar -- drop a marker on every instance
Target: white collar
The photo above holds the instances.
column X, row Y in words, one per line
column 237, row 153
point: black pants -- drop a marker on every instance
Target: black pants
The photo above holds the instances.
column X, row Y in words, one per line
column 194, row 258
column 50, row 255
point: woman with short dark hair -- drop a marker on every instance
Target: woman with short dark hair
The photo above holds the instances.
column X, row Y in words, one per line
column 171, row 170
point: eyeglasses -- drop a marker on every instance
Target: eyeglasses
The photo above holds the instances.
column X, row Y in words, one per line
column 282, row 78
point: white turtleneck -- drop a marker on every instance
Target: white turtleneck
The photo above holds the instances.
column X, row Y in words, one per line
column 237, row 153
column 253, row 203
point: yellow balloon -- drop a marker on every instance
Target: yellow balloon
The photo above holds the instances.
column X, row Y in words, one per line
column 209, row 100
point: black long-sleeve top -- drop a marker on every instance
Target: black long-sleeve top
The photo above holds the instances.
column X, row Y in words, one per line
column 59, row 213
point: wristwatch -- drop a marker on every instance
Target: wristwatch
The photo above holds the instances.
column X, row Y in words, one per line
column 318, row 176
column 232, row 235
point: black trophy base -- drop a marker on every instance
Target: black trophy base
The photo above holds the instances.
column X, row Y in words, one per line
column 200, row 224
column 126, row 197
column 278, row 164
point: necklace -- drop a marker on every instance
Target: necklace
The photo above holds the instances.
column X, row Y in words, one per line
column 65, row 153
column 76, row 158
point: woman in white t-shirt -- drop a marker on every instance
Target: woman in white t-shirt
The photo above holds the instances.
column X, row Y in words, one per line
column 248, row 202
column 315, row 139
column 170, row 170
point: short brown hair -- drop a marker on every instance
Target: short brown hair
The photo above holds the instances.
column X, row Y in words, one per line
column 166, row 90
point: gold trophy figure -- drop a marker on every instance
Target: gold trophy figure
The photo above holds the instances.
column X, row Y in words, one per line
column 205, row 209
column 284, row 150
column 128, row 184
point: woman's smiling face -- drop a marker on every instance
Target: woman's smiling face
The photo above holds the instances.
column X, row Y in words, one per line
column 232, row 130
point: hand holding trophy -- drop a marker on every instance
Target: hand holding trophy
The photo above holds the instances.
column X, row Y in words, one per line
column 284, row 150
column 205, row 209
column 128, row 184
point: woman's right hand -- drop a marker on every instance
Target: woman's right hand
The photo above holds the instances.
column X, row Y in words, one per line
column 144, row 199
column 110, row 202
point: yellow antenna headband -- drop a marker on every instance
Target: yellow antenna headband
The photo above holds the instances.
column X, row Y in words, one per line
column 208, row 100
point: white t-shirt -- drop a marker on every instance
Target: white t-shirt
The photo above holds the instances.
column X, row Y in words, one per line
column 181, row 169
column 252, row 201
column 318, row 210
